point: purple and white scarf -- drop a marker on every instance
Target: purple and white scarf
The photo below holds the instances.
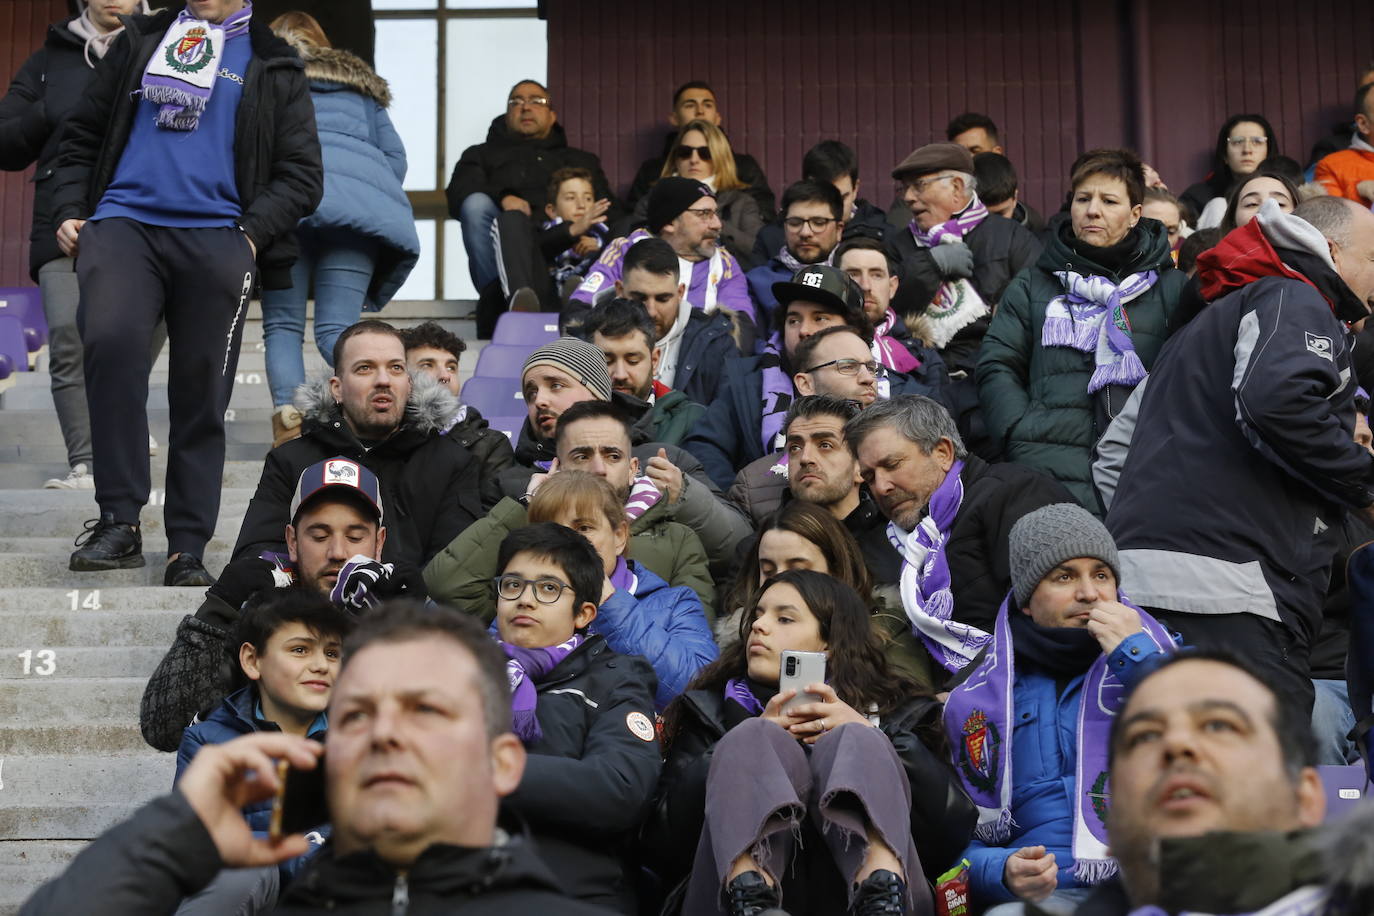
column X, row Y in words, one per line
column 956, row 304
column 979, row 719
column 1091, row 317
column 790, row 261
column 777, row 393
column 736, row 689
column 623, row 577
column 569, row 263
column 525, row 668
column 643, row 493
column 925, row 581
column 181, row 74
column 890, row 351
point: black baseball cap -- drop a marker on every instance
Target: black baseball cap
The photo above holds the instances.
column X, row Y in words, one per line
column 823, row 285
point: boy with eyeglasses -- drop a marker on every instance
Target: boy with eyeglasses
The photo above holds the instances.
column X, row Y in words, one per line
column 584, row 714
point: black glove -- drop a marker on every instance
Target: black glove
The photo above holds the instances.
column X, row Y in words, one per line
column 365, row 583
column 241, row 579
column 954, row 260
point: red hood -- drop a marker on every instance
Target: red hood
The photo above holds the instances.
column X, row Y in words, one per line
column 1240, row 258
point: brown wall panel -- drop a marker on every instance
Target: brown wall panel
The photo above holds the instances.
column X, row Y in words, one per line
column 22, row 26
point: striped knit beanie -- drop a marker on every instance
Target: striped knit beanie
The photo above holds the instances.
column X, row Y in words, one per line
column 579, row 359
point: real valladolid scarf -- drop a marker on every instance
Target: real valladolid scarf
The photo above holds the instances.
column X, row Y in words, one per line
column 925, row 582
column 181, row 73
column 956, row 304
column 979, row 719
column 525, row 668
column 777, row 395
column 1091, row 317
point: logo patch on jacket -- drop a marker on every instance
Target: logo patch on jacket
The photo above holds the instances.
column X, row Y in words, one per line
column 640, row 726
column 1320, row 346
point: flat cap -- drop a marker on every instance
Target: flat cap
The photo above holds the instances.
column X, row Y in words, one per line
column 935, row 157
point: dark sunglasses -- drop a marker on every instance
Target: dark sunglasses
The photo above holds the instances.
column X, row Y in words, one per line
column 685, row 152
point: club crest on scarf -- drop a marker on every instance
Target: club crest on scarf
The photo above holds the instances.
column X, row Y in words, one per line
column 192, row 52
column 978, row 754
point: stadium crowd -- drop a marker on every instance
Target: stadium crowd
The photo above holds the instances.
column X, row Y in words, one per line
column 943, row 558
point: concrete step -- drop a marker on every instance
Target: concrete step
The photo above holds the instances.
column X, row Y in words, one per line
column 137, row 660
column 55, row 513
column 87, row 631
column 78, row 737
column 57, row 700
column 241, row 471
column 55, row 780
column 79, row 821
column 398, row 312
column 30, row 569
column 146, row 599
column 34, row 427
column 25, row 865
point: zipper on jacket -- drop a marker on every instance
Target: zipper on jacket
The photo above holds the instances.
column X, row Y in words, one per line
column 400, row 896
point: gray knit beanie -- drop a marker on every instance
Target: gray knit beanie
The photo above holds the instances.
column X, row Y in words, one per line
column 579, row 359
column 1050, row 536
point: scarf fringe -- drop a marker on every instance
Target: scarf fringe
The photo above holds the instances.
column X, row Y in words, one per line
column 525, row 724
column 1127, row 371
column 996, row 832
column 1090, row 872
column 957, row 305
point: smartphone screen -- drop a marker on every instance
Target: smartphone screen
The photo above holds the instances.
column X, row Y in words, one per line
column 300, row 803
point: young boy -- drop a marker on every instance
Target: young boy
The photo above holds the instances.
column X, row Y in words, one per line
column 536, row 267
column 584, row 713
column 289, row 648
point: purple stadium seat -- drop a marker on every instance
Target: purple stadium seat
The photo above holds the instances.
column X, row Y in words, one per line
column 1345, row 788
column 494, row 397
column 508, row 425
column 14, row 355
column 26, row 303
column 525, row 329
column 497, row 361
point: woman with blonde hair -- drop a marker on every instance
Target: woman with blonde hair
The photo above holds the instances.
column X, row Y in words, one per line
column 360, row 244
column 702, row 151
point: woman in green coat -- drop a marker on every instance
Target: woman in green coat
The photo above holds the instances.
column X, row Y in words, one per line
column 1075, row 334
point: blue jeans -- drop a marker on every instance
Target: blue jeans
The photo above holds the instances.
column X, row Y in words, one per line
column 476, row 214
column 1332, row 720
column 341, row 265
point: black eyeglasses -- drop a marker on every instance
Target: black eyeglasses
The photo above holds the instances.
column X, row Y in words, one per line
column 817, row 223
column 684, row 151
column 546, row 588
column 852, row 367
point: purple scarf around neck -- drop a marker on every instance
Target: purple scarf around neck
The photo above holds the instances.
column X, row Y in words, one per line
column 736, row 689
column 925, row 583
column 979, row 719
column 777, row 395
column 890, row 351
column 624, row 578
column 525, row 669
column 1091, row 317
column 181, row 74
column 957, row 226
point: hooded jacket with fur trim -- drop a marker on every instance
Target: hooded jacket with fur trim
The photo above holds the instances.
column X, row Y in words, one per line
column 430, row 483
column 1243, row 453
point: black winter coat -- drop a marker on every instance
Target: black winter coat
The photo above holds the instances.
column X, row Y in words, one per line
column 277, row 165
column 942, row 817
column 510, row 164
column 41, row 96
column 996, row 496
column 706, row 344
column 1001, row 248
column 144, row 867
column 430, row 483
column 589, row 779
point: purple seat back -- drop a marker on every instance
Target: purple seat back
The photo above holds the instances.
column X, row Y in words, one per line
column 14, row 355
column 1345, row 788
column 503, row 361
column 26, row 303
column 525, row 329
column 494, row 397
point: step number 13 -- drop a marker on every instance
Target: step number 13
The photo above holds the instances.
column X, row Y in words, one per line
column 43, row 662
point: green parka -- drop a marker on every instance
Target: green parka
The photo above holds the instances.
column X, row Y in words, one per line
column 460, row 575
column 1035, row 399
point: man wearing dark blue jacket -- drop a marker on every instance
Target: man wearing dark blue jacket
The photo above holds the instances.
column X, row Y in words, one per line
column 1243, row 452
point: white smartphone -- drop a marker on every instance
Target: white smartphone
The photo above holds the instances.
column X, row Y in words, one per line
column 800, row 669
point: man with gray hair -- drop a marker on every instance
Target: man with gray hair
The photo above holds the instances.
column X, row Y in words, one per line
column 950, row 516
column 1243, row 452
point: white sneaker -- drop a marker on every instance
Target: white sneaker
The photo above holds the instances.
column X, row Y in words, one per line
column 152, row 445
column 78, row 478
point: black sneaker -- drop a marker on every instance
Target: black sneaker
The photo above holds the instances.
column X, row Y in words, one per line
column 750, row 895
column 187, row 569
column 107, row 544
column 881, row 894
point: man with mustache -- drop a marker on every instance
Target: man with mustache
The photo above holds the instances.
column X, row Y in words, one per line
column 1214, row 801
column 370, row 412
column 942, row 499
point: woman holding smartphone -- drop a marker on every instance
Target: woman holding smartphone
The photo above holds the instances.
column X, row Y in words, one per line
column 859, row 777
